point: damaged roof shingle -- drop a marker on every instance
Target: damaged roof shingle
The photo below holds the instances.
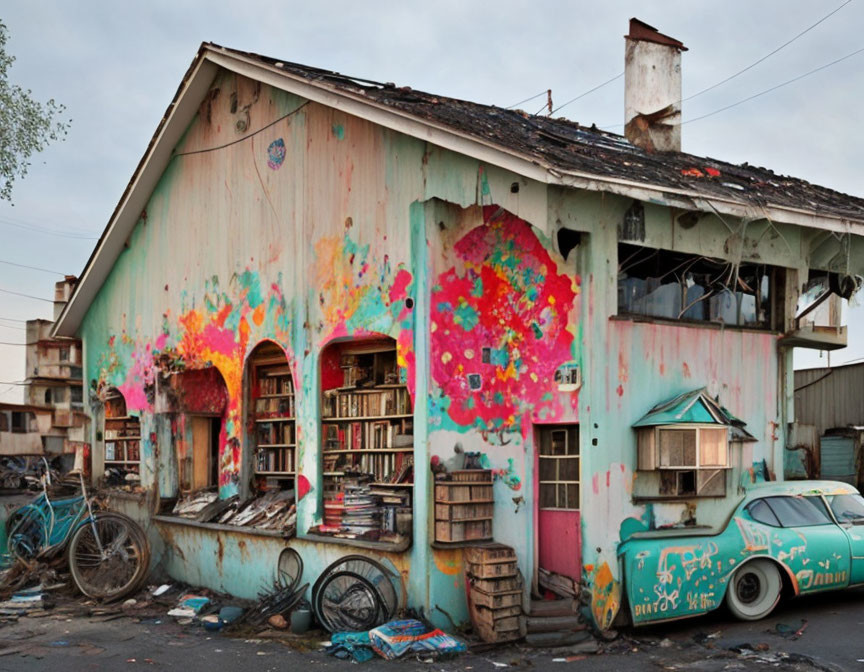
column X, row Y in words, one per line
column 566, row 146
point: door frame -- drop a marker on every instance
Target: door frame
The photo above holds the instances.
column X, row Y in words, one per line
column 539, row 428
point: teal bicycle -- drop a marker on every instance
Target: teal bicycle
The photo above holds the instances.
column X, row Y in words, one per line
column 107, row 553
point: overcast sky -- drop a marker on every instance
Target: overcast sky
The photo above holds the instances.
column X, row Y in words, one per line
column 116, row 66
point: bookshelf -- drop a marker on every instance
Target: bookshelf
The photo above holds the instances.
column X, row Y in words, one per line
column 367, row 452
column 122, row 436
column 273, row 415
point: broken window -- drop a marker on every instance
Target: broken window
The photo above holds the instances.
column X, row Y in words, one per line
column 20, row 425
column 691, row 459
column 693, row 288
column 367, row 444
column 64, row 354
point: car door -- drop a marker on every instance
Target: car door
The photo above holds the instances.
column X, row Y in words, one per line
column 812, row 545
column 848, row 509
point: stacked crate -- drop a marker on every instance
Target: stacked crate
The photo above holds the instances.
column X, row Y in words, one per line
column 464, row 507
column 495, row 592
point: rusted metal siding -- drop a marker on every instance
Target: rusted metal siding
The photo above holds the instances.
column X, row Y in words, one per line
column 829, row 398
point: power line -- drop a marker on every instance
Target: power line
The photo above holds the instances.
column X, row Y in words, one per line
column 19, row 382
column 9, row 343
column 12, row 319
column 42, row 229
column 9, row 326
column 245, row 137
column 768, row 55
column 599, row 86
column 28, row 296
column 527, row 100
column 774, row 88
column 35, row 268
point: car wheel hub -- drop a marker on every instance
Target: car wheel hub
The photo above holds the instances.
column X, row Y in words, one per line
column 748, row 588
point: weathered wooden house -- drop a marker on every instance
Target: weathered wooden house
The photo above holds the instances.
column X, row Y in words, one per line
column 313, row 276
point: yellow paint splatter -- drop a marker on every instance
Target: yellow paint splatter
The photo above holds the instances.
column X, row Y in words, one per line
column 446, row 357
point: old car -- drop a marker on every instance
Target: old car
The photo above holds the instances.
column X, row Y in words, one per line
column 782, row 539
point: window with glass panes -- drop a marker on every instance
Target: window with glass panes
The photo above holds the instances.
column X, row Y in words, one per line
column 558, row 464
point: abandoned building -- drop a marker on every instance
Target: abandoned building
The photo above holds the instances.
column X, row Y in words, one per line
column 54, row 379
column 409, row 323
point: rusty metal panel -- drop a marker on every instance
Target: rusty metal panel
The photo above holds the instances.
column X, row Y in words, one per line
column 829, row 398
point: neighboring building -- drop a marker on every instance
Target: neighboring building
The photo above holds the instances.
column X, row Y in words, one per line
column 298, row 248
column 54, row 378
column 826, row 439
column 22, row 428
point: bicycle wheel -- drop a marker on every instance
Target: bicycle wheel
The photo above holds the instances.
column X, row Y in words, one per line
column 347, row 602
column 108, row 557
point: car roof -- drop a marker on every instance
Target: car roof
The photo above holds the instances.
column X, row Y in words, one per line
column 775, row 488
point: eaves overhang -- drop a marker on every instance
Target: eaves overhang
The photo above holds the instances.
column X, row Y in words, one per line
column 211, row 58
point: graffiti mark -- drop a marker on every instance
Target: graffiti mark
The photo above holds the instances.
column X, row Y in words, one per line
column 276, row 154
column 503, row 299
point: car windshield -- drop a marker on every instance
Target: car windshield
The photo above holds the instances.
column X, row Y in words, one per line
column 848, row 508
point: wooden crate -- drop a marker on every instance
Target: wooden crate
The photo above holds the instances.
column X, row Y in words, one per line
column 463, row 492
column 470, row 530
column 473, row 510
column 494, row 570
column 511, row 598
column 472, row 476
column 498, row 585
column 490, row 553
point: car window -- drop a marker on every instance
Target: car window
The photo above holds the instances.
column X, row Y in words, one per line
column 762, row 513
column 848, row 508
column 799, row 511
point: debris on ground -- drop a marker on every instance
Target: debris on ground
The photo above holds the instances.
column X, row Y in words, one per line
column 394, row 640
column 790, row 631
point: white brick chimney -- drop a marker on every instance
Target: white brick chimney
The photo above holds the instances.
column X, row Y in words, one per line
column 652, row 89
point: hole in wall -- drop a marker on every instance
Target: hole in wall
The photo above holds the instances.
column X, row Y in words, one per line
column 567, row 240
column 409, row 303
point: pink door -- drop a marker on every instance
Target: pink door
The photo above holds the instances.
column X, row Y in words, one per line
column 558, row 538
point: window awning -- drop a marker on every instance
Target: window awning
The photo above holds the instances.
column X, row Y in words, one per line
column 694, row 407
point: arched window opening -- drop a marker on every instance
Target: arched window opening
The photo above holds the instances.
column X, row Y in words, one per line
column 367, row 444
column 272, row 418
column 202, row 398
column 122, row 437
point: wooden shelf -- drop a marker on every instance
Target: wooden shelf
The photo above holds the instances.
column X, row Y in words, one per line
column 277, row 445
column 120, row 417
column 392, row 485
column 276, row 396
column 284, row 418
column 473, row 501
column 361, row 418
column 123, row 438
column 357, row 451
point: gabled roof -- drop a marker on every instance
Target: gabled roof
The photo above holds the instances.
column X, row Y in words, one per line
column 694, row 407
column 554, row 151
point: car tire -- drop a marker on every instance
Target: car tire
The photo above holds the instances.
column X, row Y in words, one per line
column 754, row 590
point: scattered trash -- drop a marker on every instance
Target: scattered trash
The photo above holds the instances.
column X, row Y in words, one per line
column 161, row 590
column 789, row 631
column 229, row 614
column 393, row 640
column 212, row 622
column 278, row 621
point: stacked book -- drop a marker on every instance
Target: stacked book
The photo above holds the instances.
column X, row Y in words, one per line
column 361, row 518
